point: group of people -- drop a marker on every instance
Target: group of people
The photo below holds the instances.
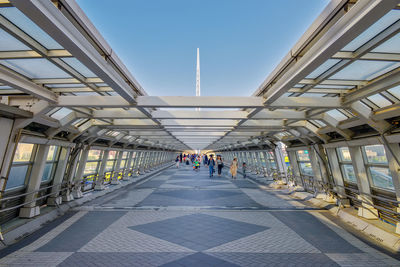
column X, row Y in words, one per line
column 209, row 161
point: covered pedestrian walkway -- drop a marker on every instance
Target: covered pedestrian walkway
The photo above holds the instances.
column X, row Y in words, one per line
column 84, row 146
column 183, row 218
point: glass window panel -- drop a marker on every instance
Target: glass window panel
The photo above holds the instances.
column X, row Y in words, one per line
column 344, row 154
column 379, row 100
column 25, row 24
column 395, row 91
column 52, row 153
column 336, row 114
column 375, row 154
column 381, row 177
column 35, row 68
column 124, row 154
column 110, row 165
column 94, row 154
column 78, row 66
column 322, row 68
column 9, row 43
column 390, row 46
column 91, row 167
column 17, row 176
column 23, row 152
column 348, row 173
column 303, row 155
column 122, row 164
column 376, row 28
column 47, row 171
column 305, row 168
column 365, row 70
column 112, row 154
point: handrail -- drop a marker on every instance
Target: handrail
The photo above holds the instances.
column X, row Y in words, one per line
column 32, row 201
column 32, row 192
column 375, row 206
column 370, row 195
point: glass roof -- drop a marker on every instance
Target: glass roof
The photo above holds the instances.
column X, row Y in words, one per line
column 336, row 114
column 365, row 70
column 390, row 46
column 35, row 68
column 322, row 68
column 395, row 91
column 379, row 100
column 372, row 31
column 25, row 24
column 9, row 43
column 77, row 65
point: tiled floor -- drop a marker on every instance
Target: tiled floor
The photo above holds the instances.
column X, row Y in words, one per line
column 184, row 218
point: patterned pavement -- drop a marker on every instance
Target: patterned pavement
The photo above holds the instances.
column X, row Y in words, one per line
column 183, row 218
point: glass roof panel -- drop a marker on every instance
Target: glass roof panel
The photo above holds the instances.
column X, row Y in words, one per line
column 78, row 66
column 85, row 93
column 336, row 114
column 376, row 28
column 312, row 95
column 390, row 46
column 321, row 123
column 379, row 100
column 9, row 43
column 25, row 24
column 61, row 113
column 365, row 70
column 35, row 68
column 323, row 86
column 395, row 91
column 101, row 84
column 322, row 68
column 62, row 85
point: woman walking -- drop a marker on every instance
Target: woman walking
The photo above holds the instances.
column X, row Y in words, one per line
column 220, row 165
column 234, row 167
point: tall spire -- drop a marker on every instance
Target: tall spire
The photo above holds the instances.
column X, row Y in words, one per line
column 198, row 75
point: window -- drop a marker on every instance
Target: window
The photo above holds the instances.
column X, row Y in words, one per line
column 51, row 164
column 93, row 161
column 346, row 166
column 270, row 160
column 304, row 161
column 124, row 160
column 378, row 167
column 111, row 160
column 21, row 166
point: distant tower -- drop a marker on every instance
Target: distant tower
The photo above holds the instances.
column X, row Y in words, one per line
column 198, row 75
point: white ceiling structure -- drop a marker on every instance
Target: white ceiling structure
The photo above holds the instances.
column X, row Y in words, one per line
column 62, row 80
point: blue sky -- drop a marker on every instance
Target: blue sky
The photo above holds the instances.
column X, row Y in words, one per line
column 240, row 41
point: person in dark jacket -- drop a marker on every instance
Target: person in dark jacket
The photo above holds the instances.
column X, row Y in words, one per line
column 211, row 164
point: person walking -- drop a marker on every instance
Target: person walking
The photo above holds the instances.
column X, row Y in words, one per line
column 220, row 165
column 177, row 162
column 211, row 164
column 205, row 159
column 234, row 167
